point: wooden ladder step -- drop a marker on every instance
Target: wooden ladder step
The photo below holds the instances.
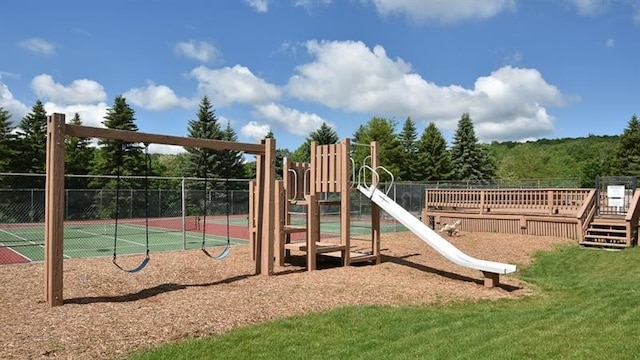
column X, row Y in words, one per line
column 320, row 247
column 609, row 222
column 604, row 244
column 605, row 237
column 290, row 229
column 606, row 230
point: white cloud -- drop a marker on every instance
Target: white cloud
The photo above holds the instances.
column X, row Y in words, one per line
column 291, row 120
column 38, row 46
column 349, row 76
column 82, row 91
column 157, row 98
column 238, row 84
column 590, row 7
column 255, row 130
column 165, row 149
column 17, row 109
column 443, row 11
column 311, row 4
column 198, row 50
column 259, row 5
column 610, row 43
column 90, row 114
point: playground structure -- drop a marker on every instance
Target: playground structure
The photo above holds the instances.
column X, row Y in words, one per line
column 591, row 216
column 57, row 129
column 328, row 180
column 331, row 171
column 330, row 176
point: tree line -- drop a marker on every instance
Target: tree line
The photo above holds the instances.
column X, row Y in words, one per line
column 408, row 155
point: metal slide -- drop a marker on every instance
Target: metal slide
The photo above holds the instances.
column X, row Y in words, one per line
column 430, row 237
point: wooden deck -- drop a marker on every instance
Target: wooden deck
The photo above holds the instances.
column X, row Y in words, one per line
column 569, row 213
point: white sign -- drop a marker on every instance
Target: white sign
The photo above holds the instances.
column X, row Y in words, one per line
column 615, row 195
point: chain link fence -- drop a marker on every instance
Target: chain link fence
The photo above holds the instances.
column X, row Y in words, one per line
column 164, row 213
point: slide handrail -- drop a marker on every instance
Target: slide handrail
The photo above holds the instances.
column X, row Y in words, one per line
column 294, row 193
column 376, row 175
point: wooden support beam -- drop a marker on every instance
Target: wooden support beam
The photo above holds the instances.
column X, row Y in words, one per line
column 269, row 206
column 280, row 218
column 140, row 137
column 491, row 279
column 313, row 230
column 375, row 209
column 54, row 210
column 345, row 200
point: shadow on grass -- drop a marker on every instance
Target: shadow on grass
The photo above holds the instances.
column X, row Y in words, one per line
column 453, row 276
column 150, row 292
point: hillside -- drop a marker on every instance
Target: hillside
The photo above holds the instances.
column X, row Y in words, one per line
column 583, row 158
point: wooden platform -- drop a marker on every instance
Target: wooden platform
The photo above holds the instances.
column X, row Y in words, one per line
column 321, row 247
column 354, row 257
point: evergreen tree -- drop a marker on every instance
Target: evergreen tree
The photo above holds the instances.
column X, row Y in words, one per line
column 324, row 135
column 32, row 134
column 471, row 160
column 232, row 162
column 433, row 156
column 78, row 156
column 627, row 155
column 7, row 141
column 203, row 162
column 9, row 152
column 389, row 147
column 126, row 159
column 408, row 138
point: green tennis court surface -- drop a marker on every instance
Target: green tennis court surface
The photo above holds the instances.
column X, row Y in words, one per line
column 98, row 240
column 329, row 225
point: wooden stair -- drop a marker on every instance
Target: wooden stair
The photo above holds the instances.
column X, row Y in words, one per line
column 608, row 232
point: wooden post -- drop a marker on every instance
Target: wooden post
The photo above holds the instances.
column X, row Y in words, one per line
column 269, row 208
column 375, row 210
column 252, row 219
column 345, row 200
column 280, row 219
column 54, row 210
column 313, row 230
column 258, row 212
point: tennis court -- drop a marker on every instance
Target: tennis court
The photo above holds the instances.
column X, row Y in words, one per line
column 329, row 224
column 25, row 242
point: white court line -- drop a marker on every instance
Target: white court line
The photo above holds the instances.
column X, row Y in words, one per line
column 191, row 234
column 110, row 237
column 29, row 241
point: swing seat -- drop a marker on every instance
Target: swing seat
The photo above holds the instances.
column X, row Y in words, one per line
column 136, row 269
column 220, row 256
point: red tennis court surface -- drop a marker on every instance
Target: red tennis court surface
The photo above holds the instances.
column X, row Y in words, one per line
column 8, row 256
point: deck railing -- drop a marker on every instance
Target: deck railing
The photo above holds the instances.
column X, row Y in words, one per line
column 631, row 219
column 549, row 201
column 586, row 214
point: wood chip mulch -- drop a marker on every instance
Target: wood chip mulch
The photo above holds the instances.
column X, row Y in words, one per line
column 109, row 313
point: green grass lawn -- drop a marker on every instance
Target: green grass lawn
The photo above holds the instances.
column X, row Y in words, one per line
column 587, row 307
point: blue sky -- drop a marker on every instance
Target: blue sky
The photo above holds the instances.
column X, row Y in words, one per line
column 521, row 69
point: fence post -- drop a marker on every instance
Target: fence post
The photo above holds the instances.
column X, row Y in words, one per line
column 184, row 213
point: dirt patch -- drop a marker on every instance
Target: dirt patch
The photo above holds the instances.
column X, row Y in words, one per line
column 109, row 313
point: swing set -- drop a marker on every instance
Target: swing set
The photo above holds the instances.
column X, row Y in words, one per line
column 118, row 164
column 261, row 237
